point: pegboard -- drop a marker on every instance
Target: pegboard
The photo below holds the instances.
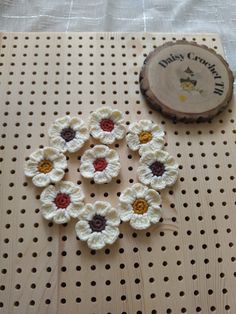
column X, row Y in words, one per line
column 186, row 263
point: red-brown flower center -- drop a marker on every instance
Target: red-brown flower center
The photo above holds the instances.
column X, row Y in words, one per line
column 62, row 200
column 68, row 134
column 107, row 125
column 98, row 223
column 157, row 168
column 100, row 164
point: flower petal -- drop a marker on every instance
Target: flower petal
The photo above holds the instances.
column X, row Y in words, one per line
column 146, row 125
column 67, row 187
column 54, row 130
column 87, row 169
column 48, row 195
column 105, row 112
column 56, row 175
column 61, row 216
column 153, row 197
column 88, row 212
column 154, row 214
column 128, row 196
column 148, row 157
column 37, row 155
column 76, row 123
column 74, row 145
column 41, row 179
column 144, row 174
column 126, row 211
column 140, row 190
column 101, row 151
column 74, row 209
column 135, row 128
column 102, row 177
column 153, row 145
column 89, row 155
column 112, row 218
column 117, row 116
column 107, row 137
column 161, row 155
column 83, row 230
column 31, row 168
column 170, row 162
column 133, row 141
column 58, row 143
column 110, row 234
column 140, row 222
column 170, row 176
column 48, row 211
column 60, row 162
column 51, row 153
column 112, row 155
column 102, row 208
column 63, row 122
column 77, row 196
column 96, row 241
column 112, row 169
column 82, row 133
column 119, row 131
column 158, row 183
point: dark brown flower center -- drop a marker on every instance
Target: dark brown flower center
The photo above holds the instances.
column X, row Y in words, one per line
column 157, row 168
column 100, row 164
column 98, row 223
column 68, row 134
column 107, row 125
column 62, row 200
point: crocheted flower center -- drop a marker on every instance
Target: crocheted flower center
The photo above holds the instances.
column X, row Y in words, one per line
column 45, row 166
column 100, row 164
column 157, row 168
column 68, row 134
column 98, row 223
column 140, row 206
column 62, row 200
column 107, row 125
column 145, row 137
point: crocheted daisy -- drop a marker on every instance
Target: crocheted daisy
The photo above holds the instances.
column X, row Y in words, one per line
column 140, row 206
column 157, row 169
column 45, row 165
column 100, row 164
column 144, row 135
column 68, row 134
column 61, row 202
column 98, row 225
column 107, row 125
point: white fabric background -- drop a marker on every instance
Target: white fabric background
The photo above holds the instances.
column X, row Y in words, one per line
column 124, row 15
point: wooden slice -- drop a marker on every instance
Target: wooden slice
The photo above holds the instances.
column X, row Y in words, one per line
column 186, row 81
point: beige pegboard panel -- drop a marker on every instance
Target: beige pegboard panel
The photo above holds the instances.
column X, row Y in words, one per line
column 186, row 263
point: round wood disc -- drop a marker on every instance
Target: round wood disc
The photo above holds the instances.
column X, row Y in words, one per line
column 186, row 81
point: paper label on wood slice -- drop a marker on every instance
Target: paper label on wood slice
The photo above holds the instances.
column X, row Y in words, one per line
column 188, row 78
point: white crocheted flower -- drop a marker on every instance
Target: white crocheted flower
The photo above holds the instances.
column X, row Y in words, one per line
column 45, row 165
column 107, row 125
column 98, row 225
column 68, row 134
column 140, row 206
column 157, row 169
column 100, row 164
column 62, row 201
column 144, row 135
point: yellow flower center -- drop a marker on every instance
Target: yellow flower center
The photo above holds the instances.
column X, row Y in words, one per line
column 140, row 206
column 145, row 137
column 45, row 166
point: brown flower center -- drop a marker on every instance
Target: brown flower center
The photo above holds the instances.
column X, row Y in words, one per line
column 100, row 164
column 62, row 200
column 98, row 223
column 140, row 206
column 45, row 166
column 157, row 168
column 107, row 125
column 145, row 137
column 68, row 134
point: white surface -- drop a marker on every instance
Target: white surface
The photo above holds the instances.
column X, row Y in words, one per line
column 124, row 15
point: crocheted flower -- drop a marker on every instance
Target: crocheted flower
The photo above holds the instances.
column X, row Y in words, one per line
column 107, row 125
column 140, row 206
column 68, row 134
column 144, row 135
column 100, row 164
column 157, row 169
column 62, row 201
column 98, row 225
column 45, row 165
